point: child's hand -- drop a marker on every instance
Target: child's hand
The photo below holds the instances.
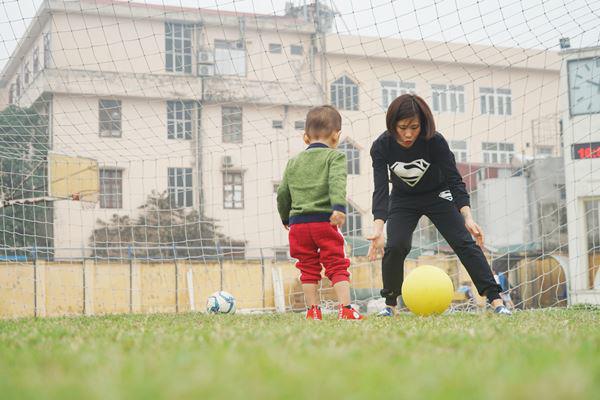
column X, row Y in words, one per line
column 337, row 218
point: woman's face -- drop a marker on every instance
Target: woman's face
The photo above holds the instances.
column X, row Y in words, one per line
column 407, row 131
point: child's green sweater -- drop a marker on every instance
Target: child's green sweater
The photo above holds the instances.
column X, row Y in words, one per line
column 313, row 185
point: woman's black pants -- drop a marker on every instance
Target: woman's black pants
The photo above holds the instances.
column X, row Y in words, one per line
column 405, row 212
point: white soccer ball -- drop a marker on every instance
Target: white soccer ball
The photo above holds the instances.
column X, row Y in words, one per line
column 220, row 303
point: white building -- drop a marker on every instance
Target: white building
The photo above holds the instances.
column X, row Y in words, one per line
column 210, row 105
column 580, row 102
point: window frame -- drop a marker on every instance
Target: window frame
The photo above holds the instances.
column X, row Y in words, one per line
column 233, row 188
column 353, row 219
column 179, row 47
column 26, row 73
column 447, row 98
column 392, row 89
column 501, row 154
column 460, row 154
column 180, row 119
column 46, row 39
column 11, row 94
column 352, row 153
column 495, row 101
column 113, row 127
column 110, row 200
column 183, row 193
column 35, row 56
column 591, row 220
column 275, row 48
column 227, row 52
column 296, row 49
column 228, row 125
column 348, row 89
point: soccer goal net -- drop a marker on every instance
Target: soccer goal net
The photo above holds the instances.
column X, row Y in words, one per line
column 142, row 144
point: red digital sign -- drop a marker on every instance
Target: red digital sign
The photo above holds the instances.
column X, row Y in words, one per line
column 584, row 151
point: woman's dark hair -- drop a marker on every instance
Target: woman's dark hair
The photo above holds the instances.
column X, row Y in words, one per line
column 410, row 106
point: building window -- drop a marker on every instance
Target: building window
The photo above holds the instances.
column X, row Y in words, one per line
column 233, row 190
column 497, row 152
column 230, row 57
column 110, row 118
column 18, row 86
column 277, row 124
column 344, row 94
column 495, row 101
column 592, row 228
column 352, row 157
column 544, row 150
column 178, row 47
column 111, row 188
column 36, row 60
column 353, row 225
column 26, row 73
column 47, row 53
column 231, row 117
column 299, row 125
column 448, row 98
column 179, row 119
column 11, row 94
column 180, row 187
column 296, row 49
column 459, row 148
column 275, row 48
column 392, row 89
column 281, row 255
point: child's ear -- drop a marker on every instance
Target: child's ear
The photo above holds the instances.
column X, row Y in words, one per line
column 306, row 138
column 337, row 136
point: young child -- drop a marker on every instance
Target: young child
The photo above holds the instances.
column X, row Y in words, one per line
column 311, row 201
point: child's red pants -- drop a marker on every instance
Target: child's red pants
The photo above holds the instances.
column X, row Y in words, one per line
column 316, row 245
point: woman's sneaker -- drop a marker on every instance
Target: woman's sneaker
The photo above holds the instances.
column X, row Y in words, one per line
column 502, row 310
column 314, row 313
column 388, row 311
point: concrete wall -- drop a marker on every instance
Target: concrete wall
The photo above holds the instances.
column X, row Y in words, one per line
column 97, row 288
column 94, row 288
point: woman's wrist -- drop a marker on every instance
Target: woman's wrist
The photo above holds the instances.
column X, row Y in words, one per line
column 466, row 212
column 378, row 227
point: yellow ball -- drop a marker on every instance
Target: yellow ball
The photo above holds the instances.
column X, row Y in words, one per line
column 427, row 290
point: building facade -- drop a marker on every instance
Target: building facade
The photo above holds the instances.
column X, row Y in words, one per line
column 580, row 105
column 209, row 106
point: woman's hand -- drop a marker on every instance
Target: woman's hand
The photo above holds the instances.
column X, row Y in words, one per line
column 472, row 226
column 476, row 231
column 377, row 241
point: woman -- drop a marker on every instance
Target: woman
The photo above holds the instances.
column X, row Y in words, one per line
column 425, row 181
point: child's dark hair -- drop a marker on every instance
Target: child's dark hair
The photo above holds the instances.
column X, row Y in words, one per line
column 410, row 106
column 322, row 121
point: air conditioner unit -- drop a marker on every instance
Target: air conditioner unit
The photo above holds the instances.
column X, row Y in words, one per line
column 206, row 69
column 226, row 162
column 206, row 57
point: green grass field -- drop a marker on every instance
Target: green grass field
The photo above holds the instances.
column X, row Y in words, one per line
column 552, row 354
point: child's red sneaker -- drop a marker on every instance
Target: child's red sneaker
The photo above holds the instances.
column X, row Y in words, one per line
column 314, row 312
column 347, row 312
